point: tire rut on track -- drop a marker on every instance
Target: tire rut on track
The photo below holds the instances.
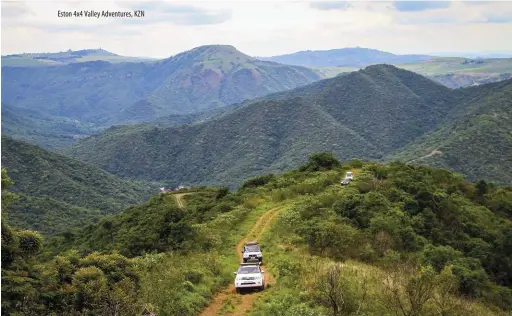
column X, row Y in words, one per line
column 244, row 301
column 179, row 199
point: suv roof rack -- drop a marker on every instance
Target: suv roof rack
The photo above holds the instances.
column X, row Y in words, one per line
column 254, row 263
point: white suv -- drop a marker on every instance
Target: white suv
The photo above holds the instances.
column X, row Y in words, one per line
column 252, row 251
column 349, row 175
column 249, row 276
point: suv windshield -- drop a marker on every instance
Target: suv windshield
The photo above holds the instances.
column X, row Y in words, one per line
column 252, row 248
column 248, row 269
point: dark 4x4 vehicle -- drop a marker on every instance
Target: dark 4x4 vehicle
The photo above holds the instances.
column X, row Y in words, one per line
column 252, row 250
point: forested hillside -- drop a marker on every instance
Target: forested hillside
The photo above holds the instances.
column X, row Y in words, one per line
column 475, row 139
column 366, row 114
column 35, row 127
column 398, row 239
column 58, row 192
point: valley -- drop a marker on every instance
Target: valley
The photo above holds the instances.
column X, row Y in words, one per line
column 256, row 148
column 374, row 113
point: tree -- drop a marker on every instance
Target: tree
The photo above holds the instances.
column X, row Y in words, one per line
column 330, row 291
column 321, row 161
column 407, row 292
column 222, row 192
column 19, row 282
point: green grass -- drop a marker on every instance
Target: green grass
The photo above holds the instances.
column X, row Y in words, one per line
column 454, row 65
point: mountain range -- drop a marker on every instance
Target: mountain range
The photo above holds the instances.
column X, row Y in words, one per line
column 64, row 58
column 345, row 57
column 103, row 93
column 206, row 108
column 370, row 114
column 88, row 91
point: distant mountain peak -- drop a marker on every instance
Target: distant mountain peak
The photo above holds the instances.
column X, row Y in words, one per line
column 220, row 50
column 98, row 51
column 380, row 67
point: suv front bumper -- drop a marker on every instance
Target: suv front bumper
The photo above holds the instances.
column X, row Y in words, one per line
column 249, row 284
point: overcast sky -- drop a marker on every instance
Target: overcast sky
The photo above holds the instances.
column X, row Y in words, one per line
column 259, row 28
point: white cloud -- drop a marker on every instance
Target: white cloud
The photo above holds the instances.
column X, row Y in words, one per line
column 259, row 28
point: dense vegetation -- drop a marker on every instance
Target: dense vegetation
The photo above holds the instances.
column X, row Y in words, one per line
column 66, row 285
column 371, row 113
column 398, row 239
column 413, row 241
column 104, row 93
column 475, row 139
column 58, row 192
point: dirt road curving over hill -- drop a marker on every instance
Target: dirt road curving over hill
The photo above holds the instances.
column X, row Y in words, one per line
column 180, row 200
column 241, row 303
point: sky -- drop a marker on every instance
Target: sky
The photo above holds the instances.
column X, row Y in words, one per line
column 258, row 28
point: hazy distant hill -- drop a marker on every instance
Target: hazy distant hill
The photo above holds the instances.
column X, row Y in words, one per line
column 64, row 58
column 344, row 57
column 103, row 93
column 365, row 114
column 455, row 71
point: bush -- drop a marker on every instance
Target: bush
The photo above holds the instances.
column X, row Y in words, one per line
column 438, row 257
column 258, row 181
column 222, row 192
column 321, row 161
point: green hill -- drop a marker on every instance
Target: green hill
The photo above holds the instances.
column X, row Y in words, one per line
column 475, row 139
column 59, row 192
column 104, row 93
column 397, row 238
column 373, row 113
column 364, row 114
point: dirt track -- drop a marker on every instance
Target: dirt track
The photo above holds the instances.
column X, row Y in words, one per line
column 243, row 302
column 179, row 199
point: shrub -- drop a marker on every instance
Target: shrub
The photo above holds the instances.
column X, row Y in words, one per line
column 320, row 161
column 258, row 181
